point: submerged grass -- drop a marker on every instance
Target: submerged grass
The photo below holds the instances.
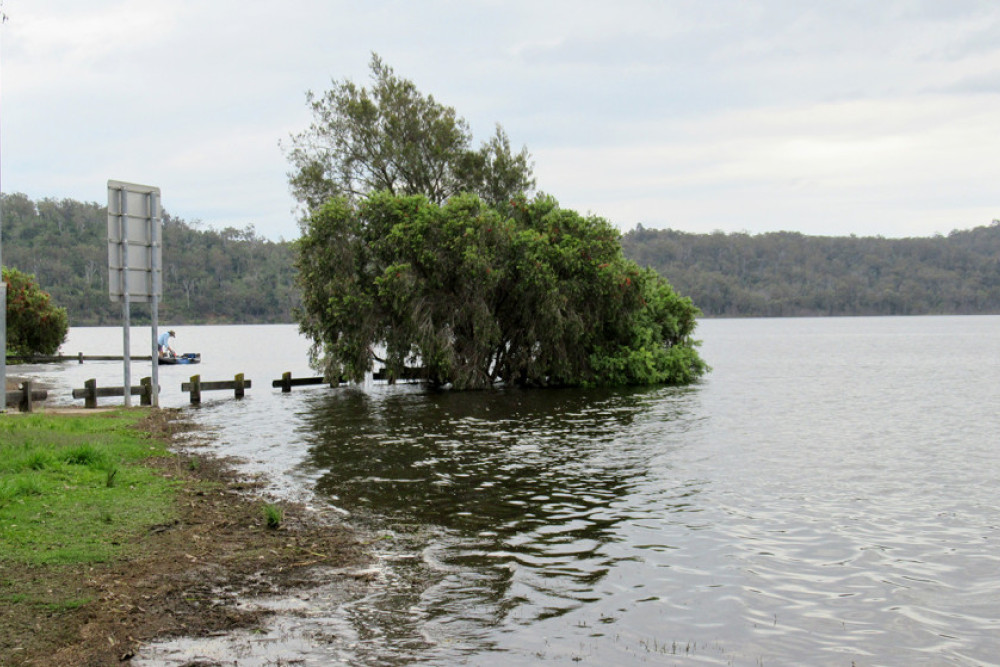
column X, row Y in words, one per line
column 71, row 489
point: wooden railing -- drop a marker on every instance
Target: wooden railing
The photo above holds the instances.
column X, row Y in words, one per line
column 23, row 399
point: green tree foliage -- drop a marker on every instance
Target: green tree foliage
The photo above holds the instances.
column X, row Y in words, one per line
column 392, row 137
column 542, row 296
column 230, row 276
column 34, row 324
column 787, row 274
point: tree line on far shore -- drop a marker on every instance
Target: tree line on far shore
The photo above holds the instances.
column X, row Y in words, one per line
column 235, row 276
column 788, row 274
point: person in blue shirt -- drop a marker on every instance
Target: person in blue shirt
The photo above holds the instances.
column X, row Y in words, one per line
column 164, row 342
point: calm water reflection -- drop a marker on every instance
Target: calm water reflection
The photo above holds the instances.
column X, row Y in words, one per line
column 515, row 499
column 828, row 495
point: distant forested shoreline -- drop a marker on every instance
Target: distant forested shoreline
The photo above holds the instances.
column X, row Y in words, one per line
column 788, row 274
column 235, row 276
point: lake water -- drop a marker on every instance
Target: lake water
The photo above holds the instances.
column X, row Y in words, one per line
column 828, row 495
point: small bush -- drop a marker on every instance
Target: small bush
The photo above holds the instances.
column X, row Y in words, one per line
column 34, row 325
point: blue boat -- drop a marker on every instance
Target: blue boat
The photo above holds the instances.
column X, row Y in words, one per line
column 187, row 358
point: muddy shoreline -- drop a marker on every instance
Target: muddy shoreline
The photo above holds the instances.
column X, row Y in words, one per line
column 187, row 578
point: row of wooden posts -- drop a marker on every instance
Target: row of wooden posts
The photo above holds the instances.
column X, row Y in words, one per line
column 90, row 392
column 238, row 385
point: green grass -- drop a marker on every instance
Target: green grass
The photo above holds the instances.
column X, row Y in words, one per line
column 72, row 489
column 51, row 602
column 273, row 516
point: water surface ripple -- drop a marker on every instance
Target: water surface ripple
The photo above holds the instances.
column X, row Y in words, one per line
column 818, row 499
column 827, row 496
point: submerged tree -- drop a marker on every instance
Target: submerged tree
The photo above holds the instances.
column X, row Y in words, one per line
column 34, row 325
column 392, row 137
column 542, row 296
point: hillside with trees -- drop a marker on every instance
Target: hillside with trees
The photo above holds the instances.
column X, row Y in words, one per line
column 235, row 276
column 785, row 274
column 209, row 277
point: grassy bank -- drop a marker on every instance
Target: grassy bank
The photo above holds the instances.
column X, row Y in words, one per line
column 111, row 537
column 72, row 489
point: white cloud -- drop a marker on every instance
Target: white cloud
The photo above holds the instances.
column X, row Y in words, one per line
column 827, row 118
column 912, row 166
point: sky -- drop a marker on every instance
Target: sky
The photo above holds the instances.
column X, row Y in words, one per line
column 827, row 118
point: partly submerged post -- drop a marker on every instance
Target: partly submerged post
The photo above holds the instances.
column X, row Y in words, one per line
column 196, row 389
column 239, row 384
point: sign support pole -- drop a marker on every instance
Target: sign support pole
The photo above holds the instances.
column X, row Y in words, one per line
column 126, row 323
column 154, row 263
column 3, row 288
column 134, row 265
column 3, row 344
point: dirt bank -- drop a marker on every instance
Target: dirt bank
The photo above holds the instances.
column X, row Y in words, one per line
column 184, row 578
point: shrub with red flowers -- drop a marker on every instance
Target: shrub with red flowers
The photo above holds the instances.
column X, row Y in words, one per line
column 34, row 325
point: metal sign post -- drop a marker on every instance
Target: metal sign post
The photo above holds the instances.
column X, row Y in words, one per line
column 134, row 262
column 3, row 344
column 3, row 289
column 153, row 204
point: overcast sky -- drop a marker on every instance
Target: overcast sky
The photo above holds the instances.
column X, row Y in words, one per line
column 831, row 118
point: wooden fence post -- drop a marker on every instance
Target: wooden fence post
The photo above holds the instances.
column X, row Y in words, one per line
column 146, row 396
column 286, row 382
column 25, row 397
column 90, row 400
column 239, row 385
column 196, row 389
